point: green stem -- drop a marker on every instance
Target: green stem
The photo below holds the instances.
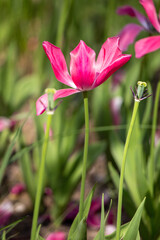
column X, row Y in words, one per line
column 120, row 194
column 40, row 179
column 154, row 122
column 85, row 155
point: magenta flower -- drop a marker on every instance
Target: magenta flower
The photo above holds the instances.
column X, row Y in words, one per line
column 18, row 188
column 85, row 73
column 56, row 236
column 131, row 31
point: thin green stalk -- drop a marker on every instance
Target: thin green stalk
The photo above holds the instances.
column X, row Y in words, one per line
column 40, row 179
column 85, row 155
column 120, row 194
column 154, row 122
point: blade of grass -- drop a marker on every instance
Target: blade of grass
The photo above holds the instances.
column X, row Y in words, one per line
column 7, row 155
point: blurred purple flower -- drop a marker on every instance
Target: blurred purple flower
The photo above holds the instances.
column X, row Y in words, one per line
column 48, row 191
column 131, row 31
column 18, row 188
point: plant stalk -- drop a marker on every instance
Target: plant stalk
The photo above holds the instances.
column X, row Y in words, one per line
column 40, row 179
column 120, row 194
column 154, row 122
column 85, row 155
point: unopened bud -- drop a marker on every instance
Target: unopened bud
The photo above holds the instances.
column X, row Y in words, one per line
column 141, row 89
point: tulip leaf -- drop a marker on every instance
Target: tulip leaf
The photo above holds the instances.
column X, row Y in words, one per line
column 4, row 235
column 101, row 233
column 87, row 205
column 102, row 220
column 8, row 153
column 122, row 232
column 133, row 227
column 81, row 231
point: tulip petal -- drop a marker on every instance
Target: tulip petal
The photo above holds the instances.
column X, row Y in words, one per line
column 65, row 93
column 41, row 104
column 107, row 72
column 149, row 7
column 58, row 63
column 147, row 45
column 56, row 236
column 108, row 53
column 128, row 35
column 132, row 12
column 82, row 66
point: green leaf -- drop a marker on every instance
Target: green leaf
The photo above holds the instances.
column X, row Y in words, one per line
column 103, row 223
column 138, row 236
column 102, row 219
column 114, row 174
column 8, row 153
column 122, row 232
column 9, row 227
column 87, row 205
column 38, row 237
column 25, row 87
column 4, row 235
column 133, row 227
column 81, row 231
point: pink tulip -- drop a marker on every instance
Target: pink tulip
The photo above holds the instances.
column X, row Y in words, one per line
column 57, row 236
column 131, row 31
column 85, row 73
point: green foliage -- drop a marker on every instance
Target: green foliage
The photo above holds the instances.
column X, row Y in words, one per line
column 130, row 230
column 5, row 230
column 7, row 155
column 76, row 225
column 101, row 233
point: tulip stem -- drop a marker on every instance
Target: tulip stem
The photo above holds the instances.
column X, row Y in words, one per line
column 154, row 122
column 40, row 179
column 120, row 194
column 85, row 155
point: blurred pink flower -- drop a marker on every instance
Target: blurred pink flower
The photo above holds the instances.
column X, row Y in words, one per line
column 57, row 236
column 6, row 123
column 85, row 73
column 110, row 228
column 117, row 78
column 131, row 31
column 6, row 211
column 50, row 131
column 18, row 188
column 115, row 106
